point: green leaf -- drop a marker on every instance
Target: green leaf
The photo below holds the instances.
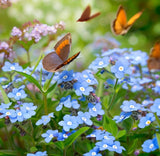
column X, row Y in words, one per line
column 133, row 146
column 120, row 134
column 60, row 145
column 158, row 139
column 74, row 136
column 33, row 149
column 31, row 79
column 26, row 45
column 110, row 125
column 51, row 88
column 4, row 95
column 8, row 152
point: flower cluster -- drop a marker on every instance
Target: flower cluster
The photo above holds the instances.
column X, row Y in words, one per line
column 5, row 3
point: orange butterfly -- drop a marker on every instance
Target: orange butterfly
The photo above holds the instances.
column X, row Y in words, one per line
column 120, row 26
column 59, row 58
column 86, row 15
column 154, row 57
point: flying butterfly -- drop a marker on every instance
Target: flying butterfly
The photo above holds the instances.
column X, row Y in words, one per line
column 153, row 62
column 59, row 58
column 86, row 15
column 120, row 26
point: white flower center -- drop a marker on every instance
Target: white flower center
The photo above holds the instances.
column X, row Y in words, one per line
column 84, row 119
column 93, row 153
column 51, row 135
column 8, row 113
column 101, row 63
column 105, row 146
column 93, row 135
column 12, row 68
column 27, row 108
column 138, row 58
column 105, row 137
column 65, row 77
column 151, row 146
column 158, row 106
column 82, row 89
column 148, row 122
column 65, row 136
column 18, row 94
column 94, row 109
column 85, row 76
column 69, row 123
column 121, row 68
column 114, row 146
column 122, row 117
column 19, row 114
column 88, row 80
column 131, row 106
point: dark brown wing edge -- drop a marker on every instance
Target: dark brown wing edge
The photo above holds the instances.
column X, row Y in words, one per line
column 94, row 15
column 68, row 61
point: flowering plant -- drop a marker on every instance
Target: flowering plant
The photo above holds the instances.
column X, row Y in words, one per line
column 113, row 106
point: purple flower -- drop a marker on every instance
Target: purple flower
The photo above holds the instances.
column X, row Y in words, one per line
column 84, row 118
column 69, row 122
column 49, row 135
column 82, row 88
column 95, row 110
column 156, row 107
column 150, row 145
column 129, row 106
column 146, row 121
column 121, row 68
column 16, row 32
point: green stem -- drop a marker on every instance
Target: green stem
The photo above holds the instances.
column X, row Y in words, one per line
column 50, row 81
column 157, row 119
column 140, row 69
column 100, row 89
column 29, row 59
column 64, row 152
column 8, row 136
column 45, row 103
column 114, row 95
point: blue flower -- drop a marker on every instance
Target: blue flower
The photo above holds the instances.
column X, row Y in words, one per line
column 86, row 76
column 84, row 118
column 136, row 87
column 146, row 102
column 38, row 153
column 116, row 147
column 45, row 119
column 28, row 110
column 113, row 51
column 64, row 135
column 65, row 101
column 121, row 68
column 65, row 76
column 99, row 63
column 157, row 87
column 123, row 116
column 105, row 145
column 150, row 145
column 82, row 88
column 146, row 121
column 98, row 134
column 107, row 136
column 3, row 109
column 75, row 104
column 129, row 106
column 10, row 67
column 69, row 122
column 93, row 152
column 2, row 79
column 49, row 135
column 156, row 107
column 17, row 93
column 95, row 110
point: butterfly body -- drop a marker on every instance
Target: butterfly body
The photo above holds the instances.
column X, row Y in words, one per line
column 153, row 62
column 86, row 15
column 59, row 58
column 120, row 26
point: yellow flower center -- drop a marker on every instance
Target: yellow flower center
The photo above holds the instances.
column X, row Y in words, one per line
column 69, row 123
column 82, row 89
column 121, row 68
column 100, row 63
column 148, row 122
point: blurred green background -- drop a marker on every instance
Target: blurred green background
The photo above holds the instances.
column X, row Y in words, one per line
column 141, row 36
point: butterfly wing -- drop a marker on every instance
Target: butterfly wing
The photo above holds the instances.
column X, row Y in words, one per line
column 94, row 15
column 51, row 61
column 119, row 24
column 134, row 18
column 85, row 15
column 63, row 47
column 155, row 51
column 68, row 61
